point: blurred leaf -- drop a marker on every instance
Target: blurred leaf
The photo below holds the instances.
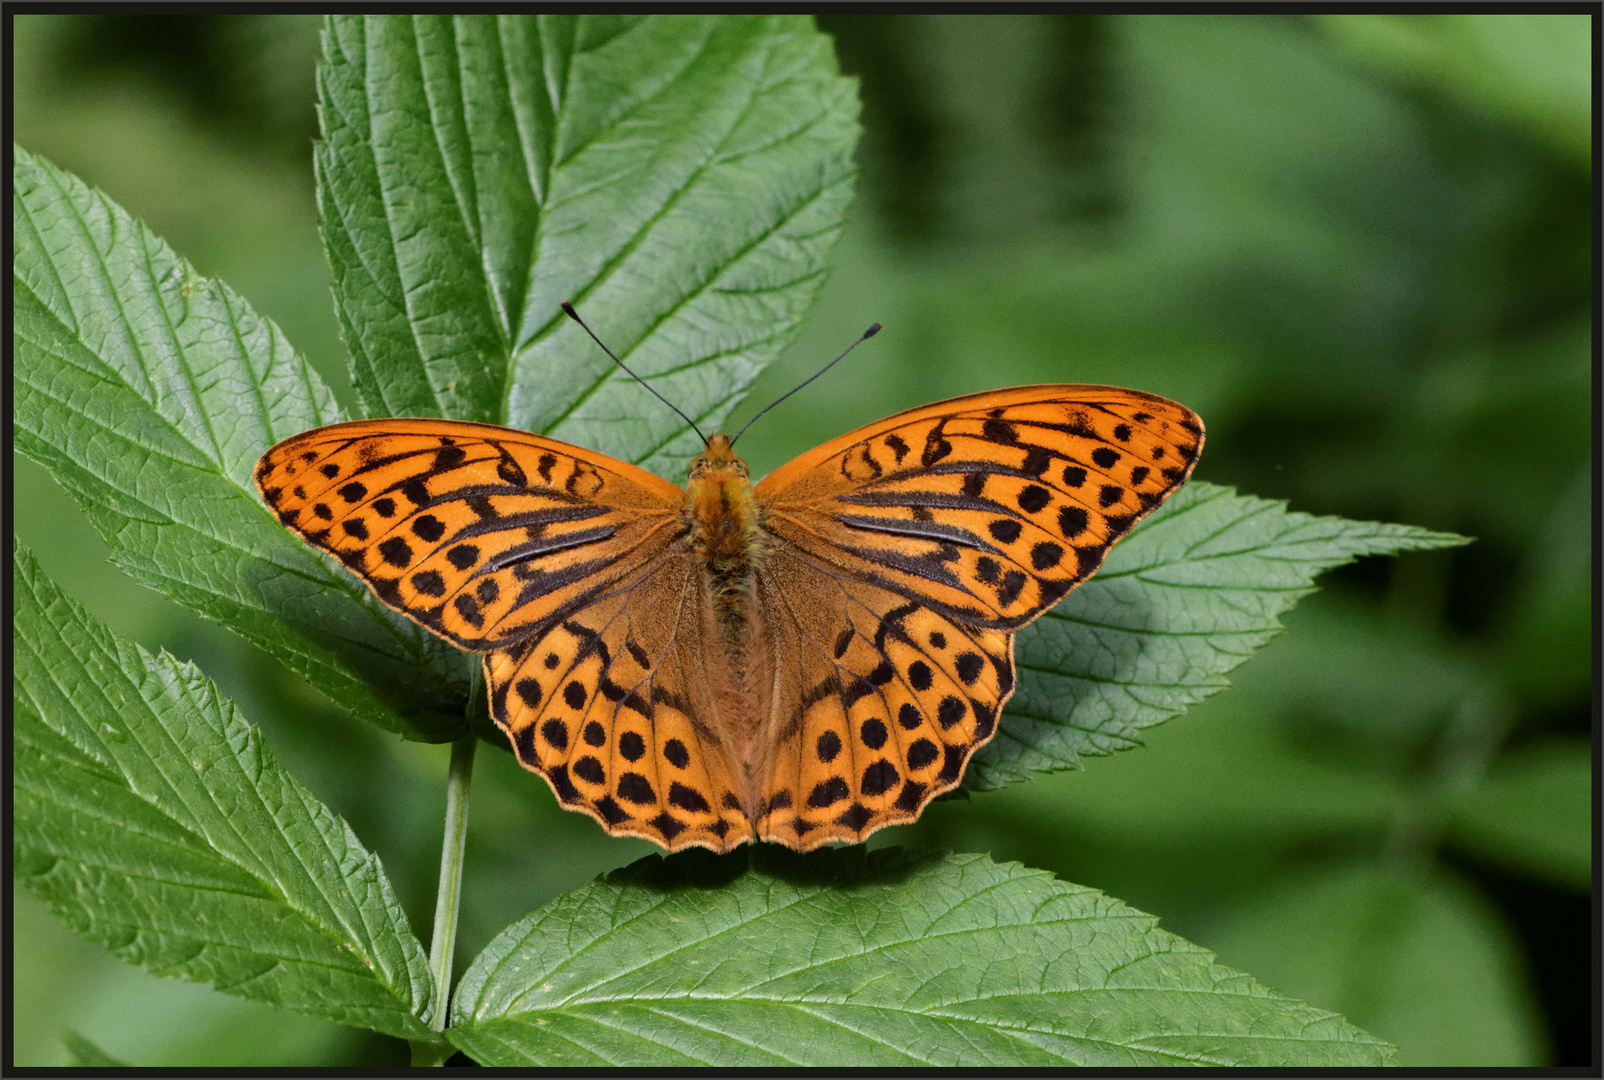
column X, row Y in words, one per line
column 851, row 958
column 1230, row 773
column 152, row 819
column 1423, row 962
column 1534, row 812
column 149, row 392
column 1208, row 811
column 1373, row 688
column 681, row 179
column 1192, row 592
column 83, row 1054
column 1534, row 69
column 1480, row 419
column 1547, row 638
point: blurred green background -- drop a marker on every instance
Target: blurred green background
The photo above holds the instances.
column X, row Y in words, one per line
column 1359, row 246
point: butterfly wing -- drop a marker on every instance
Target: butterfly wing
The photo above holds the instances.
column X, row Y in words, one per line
column 887, row 700
column 568, row 569
column 932, row 535
column 614, row 705
column 479, row 533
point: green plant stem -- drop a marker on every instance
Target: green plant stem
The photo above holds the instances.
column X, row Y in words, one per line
column 447, row 905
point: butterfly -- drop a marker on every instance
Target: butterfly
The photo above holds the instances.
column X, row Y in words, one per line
column 803, row 660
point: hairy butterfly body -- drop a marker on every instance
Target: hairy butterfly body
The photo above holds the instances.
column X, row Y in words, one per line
column 804, row 660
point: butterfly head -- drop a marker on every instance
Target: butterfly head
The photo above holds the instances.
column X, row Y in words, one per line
column 718, row 461
column 723, row 513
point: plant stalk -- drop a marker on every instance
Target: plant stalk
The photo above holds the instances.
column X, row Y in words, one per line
column 448, row 900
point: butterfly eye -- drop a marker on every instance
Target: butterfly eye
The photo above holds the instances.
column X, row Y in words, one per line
column 697, row 465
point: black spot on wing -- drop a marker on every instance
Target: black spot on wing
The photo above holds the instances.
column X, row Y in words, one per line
column 880, row 777
column 687, row 798
column 828, row 746
column 635, row 788
column 1005, row 530
column 396, row 552
column 999, row 431
column 669, row 825
column 1033, row 498
column 828, row 792
column 873, row 733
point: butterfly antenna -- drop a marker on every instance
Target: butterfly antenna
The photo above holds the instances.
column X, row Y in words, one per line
column 865, row 336
column 568, row 309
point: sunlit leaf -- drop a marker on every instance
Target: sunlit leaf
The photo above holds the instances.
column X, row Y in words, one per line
column 890, row 958
column 151, row 818
column 148, row 392
column 1191, row 593
column 681, row 179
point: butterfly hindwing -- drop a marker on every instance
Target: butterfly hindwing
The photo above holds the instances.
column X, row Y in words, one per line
column 479, row 533
column 987, row 508
column 889, row 698
column 614, row 706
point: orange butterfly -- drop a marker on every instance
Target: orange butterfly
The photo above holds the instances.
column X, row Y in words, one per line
column 804, row 660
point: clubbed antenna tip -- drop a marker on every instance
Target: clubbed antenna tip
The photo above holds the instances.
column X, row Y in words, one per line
column 865, row 336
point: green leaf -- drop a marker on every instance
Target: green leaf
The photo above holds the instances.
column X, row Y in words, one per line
column 83, row 1054
column 1534, row 69
column 1371, row 688
column 680, row 178
column 846, row 958
column 1534, row 812
column 1186, row 597
column 1546, row 643
column 152, row 818
column 1232, row 775
column 149, row 392
column 1424, row 962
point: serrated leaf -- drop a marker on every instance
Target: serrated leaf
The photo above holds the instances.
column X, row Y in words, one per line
column 152, row 818
column 680, row 178
column 1186, row 597
column 148, row 392
column 846, row 958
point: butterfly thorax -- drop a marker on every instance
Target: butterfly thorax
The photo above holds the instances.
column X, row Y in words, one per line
column 725, row 531
column 727, row 538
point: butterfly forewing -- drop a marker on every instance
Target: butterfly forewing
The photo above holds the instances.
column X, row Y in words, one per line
column 928, row 538
column 988, row 508
column 479, row 533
